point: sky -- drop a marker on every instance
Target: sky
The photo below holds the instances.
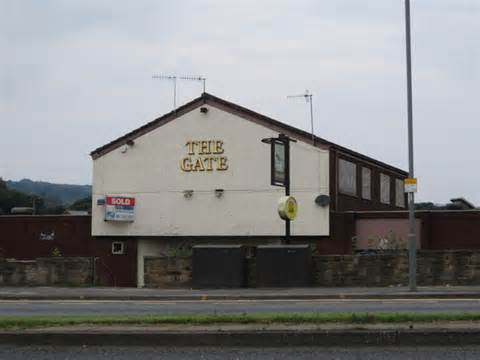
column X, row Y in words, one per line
column 75, row 75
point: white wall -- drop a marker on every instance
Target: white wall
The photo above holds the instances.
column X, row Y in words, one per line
column 146, row 247
column 150, row 172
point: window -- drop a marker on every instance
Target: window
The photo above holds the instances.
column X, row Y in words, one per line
column 366, row 183
column 384, row 189
column 347, row 177
column 399, row 193
column 118, row 248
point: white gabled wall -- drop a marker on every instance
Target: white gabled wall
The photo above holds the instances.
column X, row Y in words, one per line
column 150, row 172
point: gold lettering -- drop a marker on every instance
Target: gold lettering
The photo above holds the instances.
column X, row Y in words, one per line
column 191, row 147
column 186, row 164
column 209, row 161
column 204, row 148
column 199, row 165
column 222, row 163
column 218, row 147
column 204, row 163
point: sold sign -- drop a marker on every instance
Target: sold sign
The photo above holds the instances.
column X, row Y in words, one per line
column 120, row 201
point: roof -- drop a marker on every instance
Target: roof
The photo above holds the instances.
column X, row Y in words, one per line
column 243, row 112
column 463, row 202
column 76, row 212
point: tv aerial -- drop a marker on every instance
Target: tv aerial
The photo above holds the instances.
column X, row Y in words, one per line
column 309, row 100
column 174, row 78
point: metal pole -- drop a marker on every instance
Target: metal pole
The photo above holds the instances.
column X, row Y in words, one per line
column 174, row 93
column 412, row 238
column 286, row 141
column 311, row 117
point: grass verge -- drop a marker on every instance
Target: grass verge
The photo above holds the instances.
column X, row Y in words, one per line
column 20, row 322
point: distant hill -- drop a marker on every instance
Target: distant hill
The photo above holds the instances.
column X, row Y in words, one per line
column 59, row 194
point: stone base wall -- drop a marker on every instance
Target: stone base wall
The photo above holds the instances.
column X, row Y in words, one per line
column 385, row 269
column 433, row 268
column 168, row 272
column 71, row 271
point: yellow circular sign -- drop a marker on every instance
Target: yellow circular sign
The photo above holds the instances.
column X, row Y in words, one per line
column 287, row 208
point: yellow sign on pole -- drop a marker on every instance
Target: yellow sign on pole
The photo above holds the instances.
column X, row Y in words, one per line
column 287, row 208
column 410, row 185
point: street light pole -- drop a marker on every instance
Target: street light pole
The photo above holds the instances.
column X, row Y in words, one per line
column 412, row 238
column 281, row 165
column 286, row 141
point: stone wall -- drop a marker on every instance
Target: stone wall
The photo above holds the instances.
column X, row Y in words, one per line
column 65, row 271
column 168, row 272
column 387, row 269
column 433, row 268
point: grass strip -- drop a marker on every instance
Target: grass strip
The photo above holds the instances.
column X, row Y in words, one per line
column 21, row 322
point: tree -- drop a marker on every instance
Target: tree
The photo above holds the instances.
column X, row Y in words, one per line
column 11, row 198
column 428, row 206
column 84, row 204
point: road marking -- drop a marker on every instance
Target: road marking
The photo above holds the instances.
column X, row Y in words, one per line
column 240, row 301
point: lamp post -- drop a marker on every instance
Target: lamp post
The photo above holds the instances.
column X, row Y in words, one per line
column 280, row 168
column 412, row 238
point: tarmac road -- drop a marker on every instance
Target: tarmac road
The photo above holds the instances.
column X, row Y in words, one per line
column 302, row 353
column 123, row 307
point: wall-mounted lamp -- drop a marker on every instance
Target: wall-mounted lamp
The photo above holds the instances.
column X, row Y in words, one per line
column 219, row 193
column 188, row 194
column 127, row 146
column 203, row 110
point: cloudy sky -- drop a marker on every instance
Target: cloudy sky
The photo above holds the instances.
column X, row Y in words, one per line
column 77, row 74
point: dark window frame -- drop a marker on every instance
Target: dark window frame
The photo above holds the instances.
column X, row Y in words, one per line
column 370, row 198
column 396, row 195
column 120, row 251
column 389, row 188
column 355, row 182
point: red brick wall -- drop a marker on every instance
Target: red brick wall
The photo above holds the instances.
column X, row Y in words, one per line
column 21, row 236
column 115, row 270
column 439, row 230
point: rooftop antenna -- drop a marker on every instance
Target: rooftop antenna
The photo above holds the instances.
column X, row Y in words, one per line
column 308, row 99
column 174, row 79
column 195, row 78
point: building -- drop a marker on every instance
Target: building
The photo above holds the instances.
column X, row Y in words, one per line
column 200, row 174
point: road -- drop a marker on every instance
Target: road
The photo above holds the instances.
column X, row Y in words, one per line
column 302, row 353
column 98, row 307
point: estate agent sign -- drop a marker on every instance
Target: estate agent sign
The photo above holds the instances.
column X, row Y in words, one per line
column 119, row 208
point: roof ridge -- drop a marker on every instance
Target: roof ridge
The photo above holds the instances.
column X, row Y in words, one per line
column 205, row 97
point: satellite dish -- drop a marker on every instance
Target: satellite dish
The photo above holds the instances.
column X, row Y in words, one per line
column 322, row 200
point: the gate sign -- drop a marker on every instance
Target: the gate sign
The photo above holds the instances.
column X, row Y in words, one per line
column 279, row 162
column 119, row 208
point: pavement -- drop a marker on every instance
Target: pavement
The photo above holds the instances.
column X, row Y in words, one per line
column 273, row 335
column 317, row 293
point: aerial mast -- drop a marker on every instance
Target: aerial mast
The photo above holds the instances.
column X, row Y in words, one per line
column 174, row 78
column 308, row 99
